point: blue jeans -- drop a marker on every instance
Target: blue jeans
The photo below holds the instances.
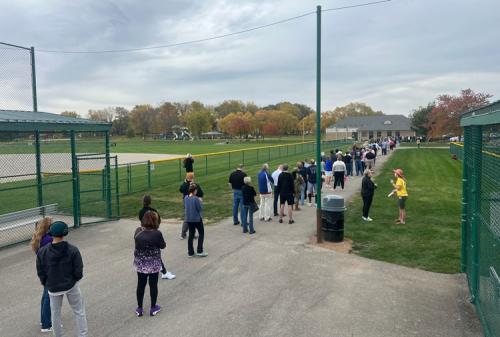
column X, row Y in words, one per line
column 349, row 169
column 302, row 193
column 237, row 202
column 45, row 316
column 359, row 167
column 247, row 218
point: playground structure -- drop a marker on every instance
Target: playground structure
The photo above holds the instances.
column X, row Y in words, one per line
column 181, row 133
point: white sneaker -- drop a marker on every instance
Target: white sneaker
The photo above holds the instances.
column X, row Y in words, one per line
column 168, row 276
column 366, row 219
column 46, row 330
column 309, row 204
column 369, row 219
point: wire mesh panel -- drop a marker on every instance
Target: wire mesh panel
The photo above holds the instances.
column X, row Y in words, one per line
column 15, row 78
column 481, row 220
column 489, row 229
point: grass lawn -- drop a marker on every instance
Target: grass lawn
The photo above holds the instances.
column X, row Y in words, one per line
column 430, row 239
column 424, row 144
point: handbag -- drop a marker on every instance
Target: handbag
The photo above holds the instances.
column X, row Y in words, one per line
column 255, row 207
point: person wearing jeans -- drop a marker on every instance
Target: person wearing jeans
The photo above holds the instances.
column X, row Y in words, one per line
column 265, row 190
column 193, row 217
column 41, row 238
column 184, row 189
column 236, row 183
column 60, row 267
column 248, row 209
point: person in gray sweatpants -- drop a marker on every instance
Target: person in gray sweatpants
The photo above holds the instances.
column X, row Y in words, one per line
column 60, row 268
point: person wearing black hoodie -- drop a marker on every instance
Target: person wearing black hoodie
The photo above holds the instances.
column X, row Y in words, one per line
column 60, row 267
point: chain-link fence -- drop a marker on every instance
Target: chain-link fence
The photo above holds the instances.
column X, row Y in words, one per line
column 16, row 78
column 140, row 176
column 43, row 179
column 481, row 216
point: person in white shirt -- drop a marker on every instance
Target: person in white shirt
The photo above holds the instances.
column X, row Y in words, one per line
column 275, row 176
column 339, row 169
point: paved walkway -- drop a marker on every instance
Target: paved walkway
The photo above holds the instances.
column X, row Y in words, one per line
column 270, row 284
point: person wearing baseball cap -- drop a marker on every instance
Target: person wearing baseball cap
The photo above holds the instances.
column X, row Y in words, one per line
column 60, row 267
column 402, row 194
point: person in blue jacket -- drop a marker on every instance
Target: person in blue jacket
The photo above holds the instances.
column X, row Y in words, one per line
column 266, row 193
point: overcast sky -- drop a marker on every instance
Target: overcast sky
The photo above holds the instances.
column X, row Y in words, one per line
column 394, row 56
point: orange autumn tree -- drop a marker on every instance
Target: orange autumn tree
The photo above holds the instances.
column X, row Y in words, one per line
column 444, row 119
column 238, row 124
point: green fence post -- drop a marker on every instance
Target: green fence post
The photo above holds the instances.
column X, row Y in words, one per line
column 463, row 260
column 229, row 160
column 180, row 170
column 129, row 178
column 38, row 158
column 74, row 177
column 243, row 157
column 268, row 154
column 103, row 184
column 257, row 155
column 475, row 203
column 117, row 188
column 149, row 174
column 287, row 150
column 206, row 164
column 279, row 151
column 108, row 177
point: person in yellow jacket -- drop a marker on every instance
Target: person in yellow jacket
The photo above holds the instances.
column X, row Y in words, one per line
column 402, row 194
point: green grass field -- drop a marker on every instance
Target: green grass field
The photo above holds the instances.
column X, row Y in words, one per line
column 430, row 239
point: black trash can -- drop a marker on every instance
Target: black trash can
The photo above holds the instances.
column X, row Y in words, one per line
column 332, row 218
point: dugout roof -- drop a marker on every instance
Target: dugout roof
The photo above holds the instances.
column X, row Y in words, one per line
column 486, row 115
column 25, row 121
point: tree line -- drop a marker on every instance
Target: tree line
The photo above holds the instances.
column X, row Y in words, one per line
column 232, row 117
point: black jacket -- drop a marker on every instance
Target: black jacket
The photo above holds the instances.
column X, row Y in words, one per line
column 147, row 208
column 367, row 187
column 248, row 195
column 59, row 266
column 285, row 183
column 184, row 189
column 236, row 179
column 188, row 164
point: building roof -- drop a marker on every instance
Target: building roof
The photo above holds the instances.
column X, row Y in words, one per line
column 18, row 121
column 375, row 123
column 489, row 114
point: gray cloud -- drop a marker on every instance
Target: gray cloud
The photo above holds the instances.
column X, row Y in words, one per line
column 394, row 56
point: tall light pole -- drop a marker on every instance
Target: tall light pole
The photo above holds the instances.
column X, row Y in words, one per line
column 318, row 125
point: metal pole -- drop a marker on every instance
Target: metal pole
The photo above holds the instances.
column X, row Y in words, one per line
column 465, row 188
column 149, row 174
column 108, row 177
column 117, row 187
column 38, row 158
column 318, row 124
column 33, row 79
column 74, row 177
